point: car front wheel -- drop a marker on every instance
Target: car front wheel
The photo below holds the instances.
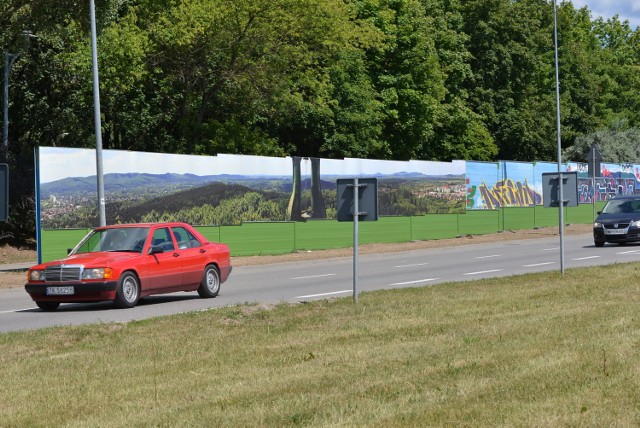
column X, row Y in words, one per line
column 599, row 243
column 48, row 306
column 210, row 285
column 128, row 291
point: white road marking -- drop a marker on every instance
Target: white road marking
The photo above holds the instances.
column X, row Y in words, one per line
column 539, row 264
column 415, row 264
column 551, row 249
column 586, row 258
column 13, row 311
column 630, row 252
column 488, row 257
column 324, row 294
column 415, row 282
column 314, row 276
column 483, row 271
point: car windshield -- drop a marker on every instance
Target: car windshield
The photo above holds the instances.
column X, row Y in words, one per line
column 129, row 239
column 622, row 206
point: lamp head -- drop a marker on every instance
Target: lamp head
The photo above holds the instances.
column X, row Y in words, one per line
column 26, row 36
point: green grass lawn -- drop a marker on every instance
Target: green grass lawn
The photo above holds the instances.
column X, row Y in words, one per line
column 535, row 350
column 263, row 238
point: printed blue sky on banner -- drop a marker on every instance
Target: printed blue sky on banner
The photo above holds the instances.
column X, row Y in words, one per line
column 71, row 162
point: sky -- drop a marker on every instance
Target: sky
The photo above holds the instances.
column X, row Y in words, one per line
column 625, row 9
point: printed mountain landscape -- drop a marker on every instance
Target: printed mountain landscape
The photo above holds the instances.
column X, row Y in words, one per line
column 230, row 199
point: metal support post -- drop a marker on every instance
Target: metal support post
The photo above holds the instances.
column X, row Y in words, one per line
column 9, row 59
column 96, row 113
column 356, row 238
column 561, row 181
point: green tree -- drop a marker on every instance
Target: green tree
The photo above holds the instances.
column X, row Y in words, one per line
column 511, row 89
column 618, row 144
column 620, row 48
column 460, row 133
column 44, row 108
column 583, row 81
column 407, row 76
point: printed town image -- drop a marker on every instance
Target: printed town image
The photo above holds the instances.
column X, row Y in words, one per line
column 231, row 189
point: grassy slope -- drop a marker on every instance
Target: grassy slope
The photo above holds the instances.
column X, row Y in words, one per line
column 535, row 350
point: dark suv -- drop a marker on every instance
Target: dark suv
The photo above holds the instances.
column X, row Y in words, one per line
column 618, row 222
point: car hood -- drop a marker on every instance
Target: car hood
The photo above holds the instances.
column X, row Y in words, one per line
column 94, row 259
column 618, row 217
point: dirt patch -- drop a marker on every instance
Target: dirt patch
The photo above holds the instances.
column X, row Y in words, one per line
column 17, row 279
column 12, row 279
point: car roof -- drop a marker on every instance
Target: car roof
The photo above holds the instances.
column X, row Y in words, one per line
column 630, row 197
column 163, row 224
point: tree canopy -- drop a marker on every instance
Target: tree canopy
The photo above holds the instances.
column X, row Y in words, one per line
column 393, row 79
column 388, row 79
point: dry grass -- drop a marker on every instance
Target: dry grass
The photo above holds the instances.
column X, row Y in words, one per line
column 10, row 254
column 535, row 350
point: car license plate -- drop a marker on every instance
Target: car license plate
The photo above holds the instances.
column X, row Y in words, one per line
column 615, row 231
column 59, row 291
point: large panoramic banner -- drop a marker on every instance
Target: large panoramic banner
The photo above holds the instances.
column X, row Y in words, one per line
column 230, row 189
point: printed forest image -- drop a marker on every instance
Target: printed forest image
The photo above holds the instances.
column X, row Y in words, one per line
column 230, row 199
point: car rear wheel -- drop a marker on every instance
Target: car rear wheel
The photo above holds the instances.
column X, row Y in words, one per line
column 599, row 243
column 128, row 291
column 210, row 285
column 48, row 306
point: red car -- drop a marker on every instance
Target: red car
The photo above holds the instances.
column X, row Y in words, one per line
column 124, row 263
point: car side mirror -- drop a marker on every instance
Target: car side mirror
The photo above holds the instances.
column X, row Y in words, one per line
column 599, row 212
column 156, row 249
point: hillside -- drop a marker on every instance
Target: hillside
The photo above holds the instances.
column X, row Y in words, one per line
column 210, row 194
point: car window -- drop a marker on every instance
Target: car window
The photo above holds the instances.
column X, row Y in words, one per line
column 613, row 207
column 162, row 238
column 184, row 238
column 622, row 206
column 114, row 239
column 90, row 244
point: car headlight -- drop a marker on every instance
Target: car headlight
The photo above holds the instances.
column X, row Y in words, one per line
column 635, row 223
column 97, row 273
column 597, row 224
column 35, row 275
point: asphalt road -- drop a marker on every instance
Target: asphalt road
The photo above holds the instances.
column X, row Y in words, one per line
column 327, row 278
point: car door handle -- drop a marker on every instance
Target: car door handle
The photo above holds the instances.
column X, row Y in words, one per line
column 176, row 255
column 202, row 251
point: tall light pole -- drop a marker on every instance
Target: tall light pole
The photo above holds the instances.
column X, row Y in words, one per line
column 9, row 59
column 560, row 180
column 96, row 113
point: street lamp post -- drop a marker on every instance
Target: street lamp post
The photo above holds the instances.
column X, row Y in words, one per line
column 9, row 60
column 96, row 113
